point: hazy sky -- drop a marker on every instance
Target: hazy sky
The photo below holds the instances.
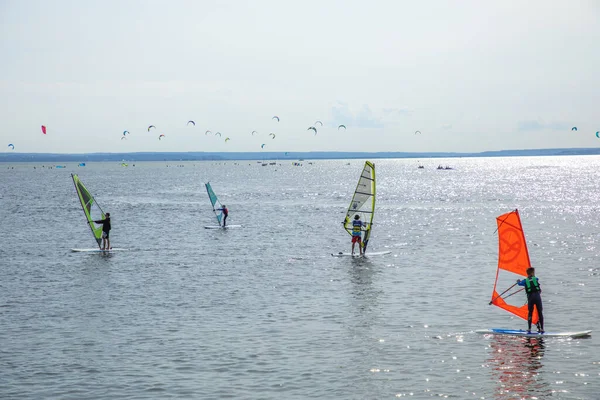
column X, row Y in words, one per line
column 470, row 75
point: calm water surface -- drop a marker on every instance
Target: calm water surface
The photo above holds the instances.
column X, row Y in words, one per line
column 264, row 312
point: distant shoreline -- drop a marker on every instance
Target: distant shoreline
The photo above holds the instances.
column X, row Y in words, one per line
column 280, row 156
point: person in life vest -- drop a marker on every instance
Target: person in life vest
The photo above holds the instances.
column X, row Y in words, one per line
column 105, row 231
column 225, row 213
column 357, row 225
column 534, row 298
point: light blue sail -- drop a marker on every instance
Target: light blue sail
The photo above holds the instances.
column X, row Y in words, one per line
column 216, row 204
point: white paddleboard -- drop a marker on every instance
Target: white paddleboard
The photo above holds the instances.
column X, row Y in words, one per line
column 96, row 250
column 369, row 254
column 222, row 227
column 519, row 332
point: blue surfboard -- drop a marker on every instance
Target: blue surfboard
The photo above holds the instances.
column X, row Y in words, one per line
column 519, row 332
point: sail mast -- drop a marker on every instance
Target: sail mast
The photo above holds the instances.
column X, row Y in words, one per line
column 373, row 190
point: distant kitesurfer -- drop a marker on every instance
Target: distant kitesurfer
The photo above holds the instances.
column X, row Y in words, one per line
column 534, row 298
column 357, row 225
column 225, row 214
column 105, row 231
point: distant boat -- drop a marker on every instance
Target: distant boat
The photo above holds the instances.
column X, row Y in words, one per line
column 421, row 167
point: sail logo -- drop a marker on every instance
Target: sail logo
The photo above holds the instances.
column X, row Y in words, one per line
column 511, row 238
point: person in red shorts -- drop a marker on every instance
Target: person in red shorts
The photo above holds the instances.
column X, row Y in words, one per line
column 357, row 225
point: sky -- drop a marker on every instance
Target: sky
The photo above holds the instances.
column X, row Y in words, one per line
column 469, row 75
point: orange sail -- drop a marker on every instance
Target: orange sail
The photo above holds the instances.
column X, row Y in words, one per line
column 512, row 257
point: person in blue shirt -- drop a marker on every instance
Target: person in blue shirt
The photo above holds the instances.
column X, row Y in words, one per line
column 357, row 225
column 534, row 298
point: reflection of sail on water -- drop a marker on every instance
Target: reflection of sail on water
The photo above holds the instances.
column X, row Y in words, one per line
column 90, row 207
column 216, row 204
column 513, row 258
column 363, row 202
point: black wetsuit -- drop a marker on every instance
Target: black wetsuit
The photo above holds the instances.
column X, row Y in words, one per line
column 105, row 226
column 534, row 298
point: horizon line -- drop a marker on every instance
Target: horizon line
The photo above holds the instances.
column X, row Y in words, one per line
column 308, row 152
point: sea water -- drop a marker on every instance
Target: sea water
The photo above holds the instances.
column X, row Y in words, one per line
column 264, row 311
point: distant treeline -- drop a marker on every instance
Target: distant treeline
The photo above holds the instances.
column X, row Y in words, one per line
column 313, row 155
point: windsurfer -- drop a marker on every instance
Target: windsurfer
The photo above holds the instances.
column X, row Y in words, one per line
column 357, row 225
column 225, row 214
column 105, row 231
column 534, row 298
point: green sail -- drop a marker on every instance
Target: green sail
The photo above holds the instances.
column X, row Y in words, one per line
column 91, row 209
column 216, row 204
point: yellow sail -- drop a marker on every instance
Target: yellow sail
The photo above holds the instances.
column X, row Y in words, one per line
column 363, row 202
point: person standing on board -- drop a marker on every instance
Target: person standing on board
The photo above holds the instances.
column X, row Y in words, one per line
column 534, row 298
column 357, row 225
column 225, row 214
column 105, row 231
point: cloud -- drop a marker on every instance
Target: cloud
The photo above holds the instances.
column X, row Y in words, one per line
column 398, row 111
column 558, row 126
column 530, row 125
column 538, row 125
column 363, row 118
